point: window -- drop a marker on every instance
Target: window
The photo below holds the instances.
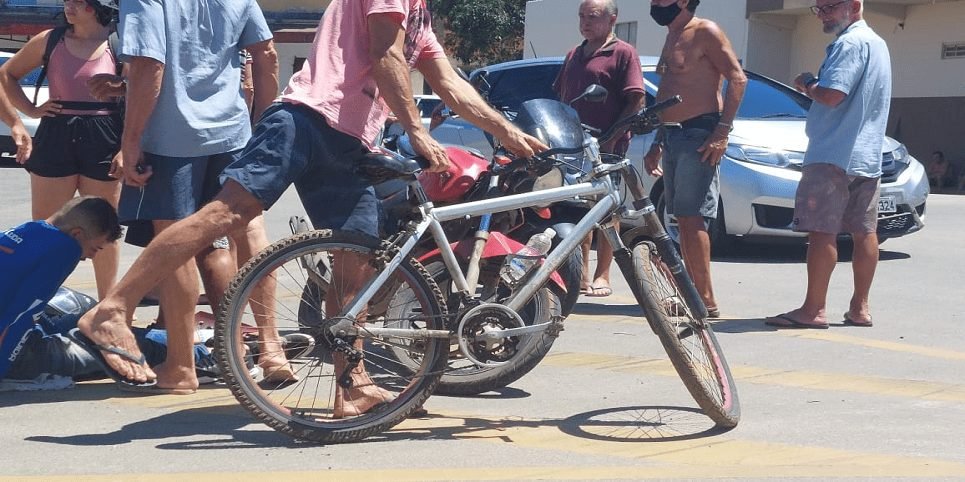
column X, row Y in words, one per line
column 953, row 50
column 627, row 31
column 763, row 99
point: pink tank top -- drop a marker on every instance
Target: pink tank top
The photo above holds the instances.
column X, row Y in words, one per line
column 67, row 76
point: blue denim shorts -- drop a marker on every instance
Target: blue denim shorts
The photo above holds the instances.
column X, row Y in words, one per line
column 293, row 144
column 691, row 186
column 178, row 188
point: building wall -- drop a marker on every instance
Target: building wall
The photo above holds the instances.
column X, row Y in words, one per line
column 928, row 95
column 552, row 26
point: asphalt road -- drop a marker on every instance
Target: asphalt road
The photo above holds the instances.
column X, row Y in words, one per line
column 845, row 403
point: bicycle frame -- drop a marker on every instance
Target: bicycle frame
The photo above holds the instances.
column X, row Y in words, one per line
column 598, row 183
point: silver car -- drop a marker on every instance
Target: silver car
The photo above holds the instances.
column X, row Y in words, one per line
column 759, row 172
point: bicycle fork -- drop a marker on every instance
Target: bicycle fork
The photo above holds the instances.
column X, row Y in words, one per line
column 668, row 254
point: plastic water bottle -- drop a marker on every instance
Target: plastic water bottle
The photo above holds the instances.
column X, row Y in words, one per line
column 518, row 264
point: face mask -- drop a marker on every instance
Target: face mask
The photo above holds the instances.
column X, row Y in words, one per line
column 664, row 15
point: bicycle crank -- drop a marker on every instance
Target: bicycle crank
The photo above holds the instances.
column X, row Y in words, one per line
column 489, row 334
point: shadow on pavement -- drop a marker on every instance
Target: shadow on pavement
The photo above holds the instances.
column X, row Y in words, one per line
column 747, row 325
column 793, row 253
column 87, row 392
column 224, row 422
column 505, row 393
column 619, row 424
column 607, row 309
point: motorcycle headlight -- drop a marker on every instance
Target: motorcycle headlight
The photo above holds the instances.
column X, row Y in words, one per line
column 765, row 156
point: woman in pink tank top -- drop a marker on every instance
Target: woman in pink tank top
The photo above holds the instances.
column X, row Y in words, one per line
column 79, row 135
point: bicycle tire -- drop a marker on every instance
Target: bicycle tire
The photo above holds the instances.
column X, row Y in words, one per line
column 300, row 408
column 690, row 343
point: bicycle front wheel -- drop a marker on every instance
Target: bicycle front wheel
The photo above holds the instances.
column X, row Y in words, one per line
column 690, row 343
column 297, row 286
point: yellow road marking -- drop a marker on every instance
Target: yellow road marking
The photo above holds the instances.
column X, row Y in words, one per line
column 928, row 351
column 924, row 390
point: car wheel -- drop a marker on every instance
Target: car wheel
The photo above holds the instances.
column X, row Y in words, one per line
column 721, row 243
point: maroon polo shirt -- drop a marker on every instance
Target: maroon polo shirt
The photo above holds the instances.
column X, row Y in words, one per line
column 615, row 66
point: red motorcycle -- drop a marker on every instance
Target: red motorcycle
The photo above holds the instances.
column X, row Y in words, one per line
column 484, row 247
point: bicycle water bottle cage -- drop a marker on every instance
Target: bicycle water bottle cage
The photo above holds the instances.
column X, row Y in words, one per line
column 378, row 168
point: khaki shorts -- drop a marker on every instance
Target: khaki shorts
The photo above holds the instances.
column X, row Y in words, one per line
column 829, row 201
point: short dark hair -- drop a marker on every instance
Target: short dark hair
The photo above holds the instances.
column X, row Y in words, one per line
column 692, row 5
column 940, row 154
column 94, row 215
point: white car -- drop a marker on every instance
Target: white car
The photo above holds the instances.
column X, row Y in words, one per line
column 7, row 147
column 759, row 172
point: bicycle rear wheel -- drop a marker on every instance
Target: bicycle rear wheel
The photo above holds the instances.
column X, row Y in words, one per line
column 690, row 343
column 309, row 272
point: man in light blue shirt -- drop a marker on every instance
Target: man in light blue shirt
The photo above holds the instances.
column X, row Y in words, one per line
column 839, row 186
column 185, row 121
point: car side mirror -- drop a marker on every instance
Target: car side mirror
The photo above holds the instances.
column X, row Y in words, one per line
column 593, row 93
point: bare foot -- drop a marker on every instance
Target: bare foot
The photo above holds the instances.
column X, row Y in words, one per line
column 362, row 397
column 171, row 376
column 271, row 359
column 106, row 325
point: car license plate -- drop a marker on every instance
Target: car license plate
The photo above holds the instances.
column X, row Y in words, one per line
column 886, row 204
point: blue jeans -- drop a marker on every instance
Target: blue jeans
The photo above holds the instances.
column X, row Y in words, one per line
column 58, row 355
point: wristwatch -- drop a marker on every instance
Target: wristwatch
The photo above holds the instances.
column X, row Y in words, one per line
column 811, row 81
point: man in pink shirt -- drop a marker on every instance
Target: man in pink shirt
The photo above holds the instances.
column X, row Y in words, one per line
column 328, row 116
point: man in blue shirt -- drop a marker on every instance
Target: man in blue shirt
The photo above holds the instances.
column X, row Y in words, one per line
column 36, row 258
column 839, row 187
column 185, row 121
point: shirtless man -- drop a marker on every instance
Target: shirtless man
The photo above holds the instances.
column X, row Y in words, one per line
column 696, row 59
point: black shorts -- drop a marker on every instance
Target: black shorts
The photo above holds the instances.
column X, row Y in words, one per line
column 67, row 145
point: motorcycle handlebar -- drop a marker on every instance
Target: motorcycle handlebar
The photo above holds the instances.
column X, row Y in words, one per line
column 643, row 121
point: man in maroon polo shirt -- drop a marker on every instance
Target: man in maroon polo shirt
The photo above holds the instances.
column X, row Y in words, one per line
column 602, row 59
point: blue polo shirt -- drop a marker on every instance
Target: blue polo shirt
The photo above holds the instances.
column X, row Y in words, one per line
column 851, row 135
column 35, row 259
column 199, row 110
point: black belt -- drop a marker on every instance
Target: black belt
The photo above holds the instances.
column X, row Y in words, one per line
column 707, row 122
column 89, row 106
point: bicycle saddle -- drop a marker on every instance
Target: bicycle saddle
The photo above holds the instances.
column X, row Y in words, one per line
column 378, row 168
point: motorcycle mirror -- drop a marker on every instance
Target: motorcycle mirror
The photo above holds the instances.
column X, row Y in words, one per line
column 593, row 93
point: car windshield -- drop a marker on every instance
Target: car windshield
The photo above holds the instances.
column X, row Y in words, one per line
column 28, row 80
column 763, row 99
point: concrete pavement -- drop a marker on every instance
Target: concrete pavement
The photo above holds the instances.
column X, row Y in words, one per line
column 846, row 403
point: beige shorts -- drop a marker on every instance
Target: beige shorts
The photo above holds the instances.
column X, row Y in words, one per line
column 829, row 201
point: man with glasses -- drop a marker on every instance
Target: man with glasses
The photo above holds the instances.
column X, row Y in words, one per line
column 839, row 186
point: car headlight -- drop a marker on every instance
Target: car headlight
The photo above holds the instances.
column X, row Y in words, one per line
column 901, row 154
column 765, row 156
